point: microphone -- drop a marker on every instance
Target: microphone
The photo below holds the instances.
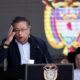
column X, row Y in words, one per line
column 36, row 46
column 43, row 55
column 30, row 40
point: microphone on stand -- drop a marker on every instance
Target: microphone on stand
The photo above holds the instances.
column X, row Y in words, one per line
column 30, row 40
column 43, row 55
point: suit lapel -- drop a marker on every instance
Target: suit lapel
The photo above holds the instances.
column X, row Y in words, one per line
column 32, row 51
column 17, row 53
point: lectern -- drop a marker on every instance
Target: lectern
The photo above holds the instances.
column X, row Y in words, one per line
column 40, row 72
column 36, row 72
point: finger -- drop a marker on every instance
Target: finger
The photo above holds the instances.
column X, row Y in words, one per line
column 10, row 37
column 10, row 30
column 13, row 34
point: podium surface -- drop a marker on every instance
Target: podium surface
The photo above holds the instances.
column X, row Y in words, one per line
column 36, row 72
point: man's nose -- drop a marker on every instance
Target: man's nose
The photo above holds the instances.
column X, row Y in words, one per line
column 19, row 32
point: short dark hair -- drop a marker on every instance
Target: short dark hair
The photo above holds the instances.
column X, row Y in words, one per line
column 18, row 19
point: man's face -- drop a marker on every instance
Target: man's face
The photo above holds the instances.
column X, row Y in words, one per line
column 77, row 61
column 22, row 31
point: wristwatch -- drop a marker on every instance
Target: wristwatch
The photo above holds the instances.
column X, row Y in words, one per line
column 5, row 46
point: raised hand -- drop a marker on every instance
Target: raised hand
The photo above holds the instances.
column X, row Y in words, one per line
column 10, row 36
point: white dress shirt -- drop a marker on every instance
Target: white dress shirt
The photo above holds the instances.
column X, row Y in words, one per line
column 77, row 74
column 24, row 52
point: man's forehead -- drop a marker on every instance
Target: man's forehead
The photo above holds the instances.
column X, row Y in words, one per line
column 20, row 24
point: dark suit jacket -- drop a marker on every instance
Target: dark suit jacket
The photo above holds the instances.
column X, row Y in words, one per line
column 38, row 52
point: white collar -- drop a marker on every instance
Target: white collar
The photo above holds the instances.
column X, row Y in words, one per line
column 19, row 42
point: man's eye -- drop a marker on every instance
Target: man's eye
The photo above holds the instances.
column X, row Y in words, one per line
column 23, row 29
column 16, row 30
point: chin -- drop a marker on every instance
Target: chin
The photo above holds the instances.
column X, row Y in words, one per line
column 22, row 41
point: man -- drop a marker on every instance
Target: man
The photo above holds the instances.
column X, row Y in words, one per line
column 19, row 46
column 64, row 61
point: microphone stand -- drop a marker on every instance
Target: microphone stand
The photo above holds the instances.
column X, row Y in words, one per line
column 43, row 55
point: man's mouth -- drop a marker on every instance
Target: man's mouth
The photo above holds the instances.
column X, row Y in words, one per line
column 20, row 37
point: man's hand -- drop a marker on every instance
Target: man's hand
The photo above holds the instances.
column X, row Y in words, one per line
column 10, row 36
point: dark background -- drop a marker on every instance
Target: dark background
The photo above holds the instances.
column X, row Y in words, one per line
column 32, row 10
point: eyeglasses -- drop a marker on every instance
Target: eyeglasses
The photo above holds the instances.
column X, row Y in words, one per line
column 22, row 30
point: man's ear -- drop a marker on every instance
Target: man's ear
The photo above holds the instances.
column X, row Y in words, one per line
column 29, row 26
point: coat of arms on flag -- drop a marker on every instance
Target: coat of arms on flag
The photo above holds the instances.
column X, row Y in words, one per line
column 62, row 24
